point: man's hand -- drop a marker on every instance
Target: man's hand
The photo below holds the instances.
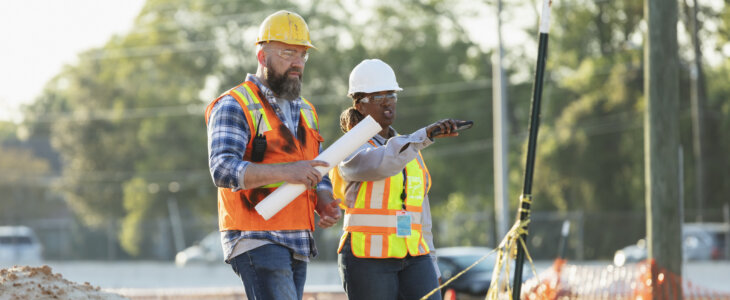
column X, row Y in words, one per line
column 299, row 172
column 328, row 209
column 303, row 172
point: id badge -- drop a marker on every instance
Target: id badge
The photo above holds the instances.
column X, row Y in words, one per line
column 403, row 224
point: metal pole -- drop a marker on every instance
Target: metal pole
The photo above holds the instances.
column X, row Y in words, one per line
column 726, row 218
column 524, row 210
column 562, row 247
column 501, row 129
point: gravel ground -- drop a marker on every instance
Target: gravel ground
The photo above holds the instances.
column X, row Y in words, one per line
column 161, row 278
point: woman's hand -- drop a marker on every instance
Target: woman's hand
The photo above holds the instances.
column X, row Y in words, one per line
column 444, row 128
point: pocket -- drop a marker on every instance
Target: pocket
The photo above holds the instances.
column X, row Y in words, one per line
column 315, row 134
column 312, row 143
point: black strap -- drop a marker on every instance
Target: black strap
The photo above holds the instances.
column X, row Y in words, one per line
column 403, row 194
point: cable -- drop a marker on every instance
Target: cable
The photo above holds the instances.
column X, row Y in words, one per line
column 197, row 109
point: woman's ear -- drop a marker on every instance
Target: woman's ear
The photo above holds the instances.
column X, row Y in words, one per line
column 360, row 107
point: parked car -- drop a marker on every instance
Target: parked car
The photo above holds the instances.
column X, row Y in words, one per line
column 208, row 250
column 19, row 245
column 700, row 241
column 476, row 281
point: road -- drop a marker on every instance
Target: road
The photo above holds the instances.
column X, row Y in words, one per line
column 321, row 276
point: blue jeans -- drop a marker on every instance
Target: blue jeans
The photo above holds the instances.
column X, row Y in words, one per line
column 411, row 277
column 270, row 272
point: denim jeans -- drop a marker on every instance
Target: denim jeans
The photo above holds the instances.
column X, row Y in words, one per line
column 270, row 272
column 411, row 277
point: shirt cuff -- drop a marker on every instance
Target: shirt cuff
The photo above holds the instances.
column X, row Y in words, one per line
column 419, row 139
column 325, row 184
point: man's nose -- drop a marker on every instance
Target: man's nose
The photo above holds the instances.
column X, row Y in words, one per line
column 298, row 61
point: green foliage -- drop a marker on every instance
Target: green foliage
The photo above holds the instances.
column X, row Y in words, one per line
column 595, row 111
column 717, row 126
column 20, row 188
column 138, row 205
column 471, row 216
column 24, row 180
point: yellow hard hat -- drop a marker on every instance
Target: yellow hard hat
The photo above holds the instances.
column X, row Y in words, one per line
column 286, row 27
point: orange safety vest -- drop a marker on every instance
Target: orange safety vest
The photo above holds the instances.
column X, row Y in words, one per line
column 236, row 209
column 371, row 223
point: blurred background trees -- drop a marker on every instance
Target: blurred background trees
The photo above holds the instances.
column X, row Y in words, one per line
column 126, row 141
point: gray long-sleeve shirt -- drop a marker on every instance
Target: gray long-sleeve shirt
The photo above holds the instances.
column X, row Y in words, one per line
column 369, row 163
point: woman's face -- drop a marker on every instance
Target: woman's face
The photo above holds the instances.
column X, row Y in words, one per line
column 380, row 106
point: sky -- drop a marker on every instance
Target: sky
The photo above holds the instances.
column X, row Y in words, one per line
column 39, row 37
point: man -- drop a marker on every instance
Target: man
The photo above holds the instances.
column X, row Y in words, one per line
column 262, row 133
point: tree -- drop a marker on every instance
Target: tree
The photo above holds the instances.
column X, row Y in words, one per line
column 593, row 104
column 129, row 116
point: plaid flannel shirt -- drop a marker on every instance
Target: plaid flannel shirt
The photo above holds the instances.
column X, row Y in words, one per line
column 228, row 135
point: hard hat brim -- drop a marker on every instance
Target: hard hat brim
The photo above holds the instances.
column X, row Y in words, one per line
column 302, row 43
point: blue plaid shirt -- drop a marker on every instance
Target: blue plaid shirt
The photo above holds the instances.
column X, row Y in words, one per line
column 228, row 135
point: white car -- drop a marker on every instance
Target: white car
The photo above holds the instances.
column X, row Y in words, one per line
column 700, row 241
column 208, row 250
column 19, row 245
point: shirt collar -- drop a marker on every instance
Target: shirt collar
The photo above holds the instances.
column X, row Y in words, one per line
column 381, row 140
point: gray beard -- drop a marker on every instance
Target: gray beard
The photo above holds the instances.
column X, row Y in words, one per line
column 283, row 86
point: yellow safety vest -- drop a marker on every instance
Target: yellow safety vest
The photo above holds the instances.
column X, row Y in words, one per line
column 371, row 223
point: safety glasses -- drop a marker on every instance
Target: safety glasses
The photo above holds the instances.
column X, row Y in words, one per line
column 290, row 55
column 379, row 99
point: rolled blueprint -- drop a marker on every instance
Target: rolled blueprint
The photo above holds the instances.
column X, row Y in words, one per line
column 333, row 155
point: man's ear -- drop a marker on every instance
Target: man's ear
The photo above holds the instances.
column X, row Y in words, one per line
column 261, row 57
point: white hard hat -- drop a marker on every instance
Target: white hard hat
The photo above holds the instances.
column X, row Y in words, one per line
column 372, row 75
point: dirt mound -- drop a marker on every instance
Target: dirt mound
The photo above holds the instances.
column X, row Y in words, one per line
column 23, row 282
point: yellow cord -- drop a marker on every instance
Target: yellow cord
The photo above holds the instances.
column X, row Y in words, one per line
column 507, row 246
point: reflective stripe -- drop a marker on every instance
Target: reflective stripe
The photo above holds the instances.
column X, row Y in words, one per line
column 422, row 164
column 379, row 230
column 255, row 108
column 272, row 185
column 376, row 196
column 377, row 220
column 376, row 245
column 253, row 113
column 256, row 100
column 310, row 117
column 306, row 119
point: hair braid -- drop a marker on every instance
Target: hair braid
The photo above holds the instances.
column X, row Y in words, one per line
column 349, row 118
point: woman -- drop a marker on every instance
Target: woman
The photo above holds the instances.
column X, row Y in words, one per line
column 384, row 252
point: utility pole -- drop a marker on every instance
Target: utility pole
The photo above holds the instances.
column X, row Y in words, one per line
column 501, row 130
column 697, row 97
column 178, row 235
column 661, row 145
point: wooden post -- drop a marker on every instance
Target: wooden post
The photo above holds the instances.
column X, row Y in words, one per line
column 661, row 142
column 697, row 98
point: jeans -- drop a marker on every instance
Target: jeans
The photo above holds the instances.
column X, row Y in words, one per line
column 411, row 277
column 270, row 272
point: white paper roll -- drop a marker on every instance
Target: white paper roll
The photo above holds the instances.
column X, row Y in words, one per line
column 333, row 155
